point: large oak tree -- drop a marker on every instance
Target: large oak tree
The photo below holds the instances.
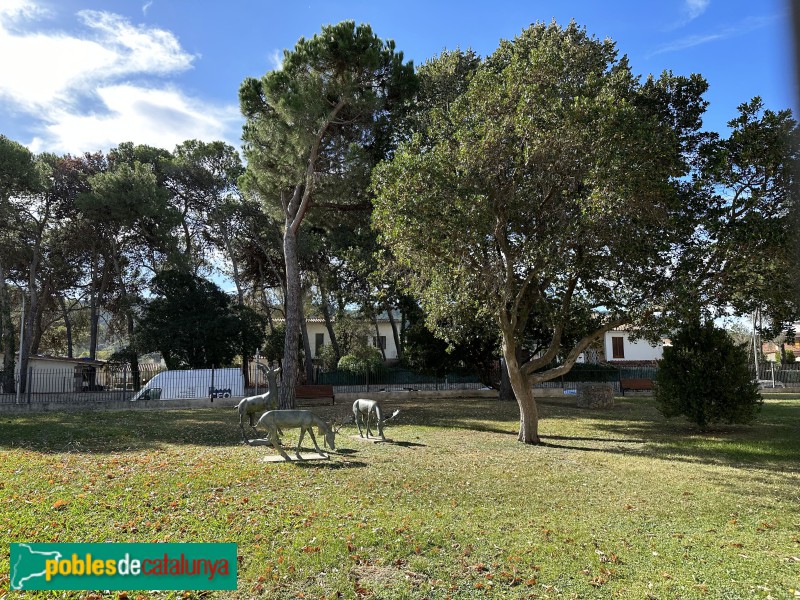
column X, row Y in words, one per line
column 544, row 190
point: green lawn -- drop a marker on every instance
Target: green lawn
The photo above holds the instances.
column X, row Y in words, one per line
column 617, row 503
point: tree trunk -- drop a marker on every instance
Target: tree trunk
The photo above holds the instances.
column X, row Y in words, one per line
column 326, row 314
column 67, row 323
column 309, row 365
column 30, row 321
column 395, row 335
column 506, row 393
column 293, row 298
column 528, row 411
column 8, row 341
column 378, row 339
column 136, row 375
column 235, row 266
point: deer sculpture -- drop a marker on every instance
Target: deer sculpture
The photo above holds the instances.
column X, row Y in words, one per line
column 276, row 420
column 252, row 405
column 365, row 409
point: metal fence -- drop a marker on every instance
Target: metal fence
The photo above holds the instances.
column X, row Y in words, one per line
column 777, row 375
column 396, row 380
column 75, row 384
column 115, row 383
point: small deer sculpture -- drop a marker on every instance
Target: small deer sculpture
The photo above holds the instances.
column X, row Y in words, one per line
column 276, row 420
column 365, row 409
column 252, row 405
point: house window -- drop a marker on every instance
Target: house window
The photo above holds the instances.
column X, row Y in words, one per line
column 319, row 342
column 379, row 341
column 618, row 347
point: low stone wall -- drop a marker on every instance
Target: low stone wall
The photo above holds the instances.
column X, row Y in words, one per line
column 350, row 397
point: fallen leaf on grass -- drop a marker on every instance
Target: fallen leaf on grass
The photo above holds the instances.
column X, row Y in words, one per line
column 60, row 505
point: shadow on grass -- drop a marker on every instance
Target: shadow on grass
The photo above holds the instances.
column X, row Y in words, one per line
column 118, row 431
column 406, row 444
column 772, row 442
column 329, row 465
column 633, row 427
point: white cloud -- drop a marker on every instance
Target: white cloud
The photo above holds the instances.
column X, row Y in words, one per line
column 276, row 60
column 723, row 33
column 157, row 117
column 11, row 10
column 106, row 84
column 695, row 8
column 146, row 7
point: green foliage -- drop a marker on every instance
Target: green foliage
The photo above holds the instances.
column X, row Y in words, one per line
column 273, row 343
column 327, row 355
column 744, row 211
column 704, row 376
column 518, row 202
column 191, row 322
column 18, row 170
column 352, row 333
column 364, row 360
column 474, row 347
column 790, row 358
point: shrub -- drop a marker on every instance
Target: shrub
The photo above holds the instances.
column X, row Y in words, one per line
column 704, row 376
column 327, row 356
column 366, row 360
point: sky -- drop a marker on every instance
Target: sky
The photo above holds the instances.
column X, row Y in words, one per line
column 85, row 75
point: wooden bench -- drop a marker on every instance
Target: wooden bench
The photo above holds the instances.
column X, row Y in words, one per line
column 635, row 385
column 315, row 392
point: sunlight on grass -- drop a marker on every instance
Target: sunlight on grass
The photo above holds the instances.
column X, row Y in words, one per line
column 616, row 503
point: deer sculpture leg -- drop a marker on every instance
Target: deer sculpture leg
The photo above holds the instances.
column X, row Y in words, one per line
column 302, row 419
column 364, row 409
column 253, row 405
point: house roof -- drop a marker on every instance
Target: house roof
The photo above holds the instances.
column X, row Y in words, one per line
column 381, row 318
column 62, row 359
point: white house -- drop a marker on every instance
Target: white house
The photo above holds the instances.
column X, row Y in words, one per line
column 318, row 336
column 618, row 346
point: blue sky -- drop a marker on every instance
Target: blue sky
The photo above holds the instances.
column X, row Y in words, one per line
column 85, row 75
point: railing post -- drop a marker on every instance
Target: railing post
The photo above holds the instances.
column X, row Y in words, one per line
column 29, row 383
column 211, row 389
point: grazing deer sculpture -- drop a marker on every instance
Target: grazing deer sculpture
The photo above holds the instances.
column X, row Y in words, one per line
column 365, row 409
column 252, row 405
column 275, row 420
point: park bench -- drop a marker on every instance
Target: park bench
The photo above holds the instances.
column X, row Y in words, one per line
column 635, row 385
column 315, row 392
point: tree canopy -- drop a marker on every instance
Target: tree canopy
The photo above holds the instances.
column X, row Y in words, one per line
column 192, row 323
column 541, row 191
column 313, row 128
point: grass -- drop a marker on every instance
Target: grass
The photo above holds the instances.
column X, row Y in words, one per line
column 617, row 503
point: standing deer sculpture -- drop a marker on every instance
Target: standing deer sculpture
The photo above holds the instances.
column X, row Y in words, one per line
column 365, row 409
column 252, row 405
column 276, row 420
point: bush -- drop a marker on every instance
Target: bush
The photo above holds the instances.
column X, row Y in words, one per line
column 704, row 376
column 327, row 356
column 366, row 360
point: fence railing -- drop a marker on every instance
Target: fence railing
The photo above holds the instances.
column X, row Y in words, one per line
column 117, row 383
column 781, row 375
column 396, row 379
